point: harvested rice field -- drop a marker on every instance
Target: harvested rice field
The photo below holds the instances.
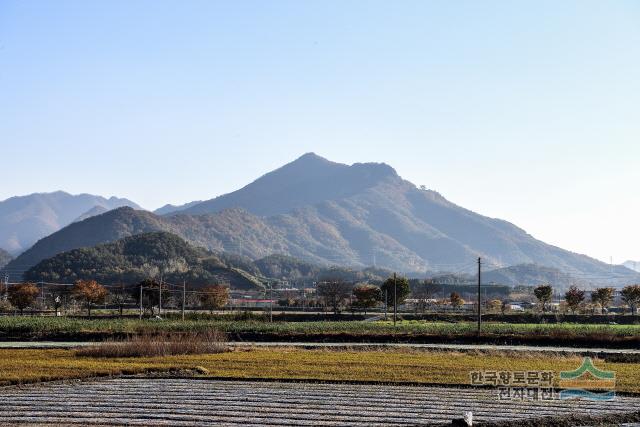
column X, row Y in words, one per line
column 188, row 402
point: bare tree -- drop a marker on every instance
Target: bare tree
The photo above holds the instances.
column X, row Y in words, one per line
column 602, row 297
column 334, row 292
column 119, row 297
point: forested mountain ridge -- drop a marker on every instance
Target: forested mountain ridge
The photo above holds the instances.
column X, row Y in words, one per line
column 142, row 256
column 164, row 255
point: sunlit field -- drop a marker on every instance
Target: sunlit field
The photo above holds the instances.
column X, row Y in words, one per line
column 380, row 366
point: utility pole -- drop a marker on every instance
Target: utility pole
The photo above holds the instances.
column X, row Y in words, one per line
column 42, row 292
column 184, row 295
column 479, row 312
column 395, row 299
column 611, row 265
column 141, row 301
column 160, row 298
column 386, row 304
column 271, row 302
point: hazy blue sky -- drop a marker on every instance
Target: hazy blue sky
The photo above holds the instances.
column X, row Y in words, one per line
column 527, row 111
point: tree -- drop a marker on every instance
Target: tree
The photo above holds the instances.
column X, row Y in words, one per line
column 22, row 295
column 367, row 296
column 495, row 305
column 214, row 297
column 456, row 300
column 119, row 297
column 401, row 287
column 574, row 297
column 631, row 297
column 544, row 293
column 602, row 297
column 334, row 292
column 424, row 291
column 90, row 291
column 150, row 294
column 504, row 306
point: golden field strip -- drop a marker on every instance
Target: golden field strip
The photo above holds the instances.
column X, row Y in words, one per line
column 384, row 366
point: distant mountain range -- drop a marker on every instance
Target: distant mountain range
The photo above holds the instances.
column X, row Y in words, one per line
column 633, row 265
column 26, row 219
column 168, row 209
column 531, row 274
column 333, row 214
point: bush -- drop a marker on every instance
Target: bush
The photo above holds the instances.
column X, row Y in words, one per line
column 164, row 344
column 5, row 306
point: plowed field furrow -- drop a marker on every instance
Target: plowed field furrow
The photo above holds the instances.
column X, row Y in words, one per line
column 186, row 402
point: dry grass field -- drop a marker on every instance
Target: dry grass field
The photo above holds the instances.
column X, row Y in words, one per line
column 382, row 366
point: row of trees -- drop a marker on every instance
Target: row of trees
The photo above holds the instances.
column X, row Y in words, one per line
column 576, row 298
column 364, row 296
column 337, row 293
column 90, row 293
column 24, row 295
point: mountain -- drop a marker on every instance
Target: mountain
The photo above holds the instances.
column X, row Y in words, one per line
column 365, row 212
column 328, row 213
column 308, row 180
column 633, row 265
column 25, row 219
column 108, row 227
column 135, row 258
column 529, row 274
column 96, row 210
column 5, row 257
column 233, row 230
column 169, row 209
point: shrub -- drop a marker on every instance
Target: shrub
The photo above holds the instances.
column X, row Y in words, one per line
column 163, row 344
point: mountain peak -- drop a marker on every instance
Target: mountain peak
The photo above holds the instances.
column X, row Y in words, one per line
column 308, row 180
column 311, row 156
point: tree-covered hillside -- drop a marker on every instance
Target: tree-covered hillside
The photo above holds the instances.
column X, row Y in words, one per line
column 133, row 259
column 152, row 255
